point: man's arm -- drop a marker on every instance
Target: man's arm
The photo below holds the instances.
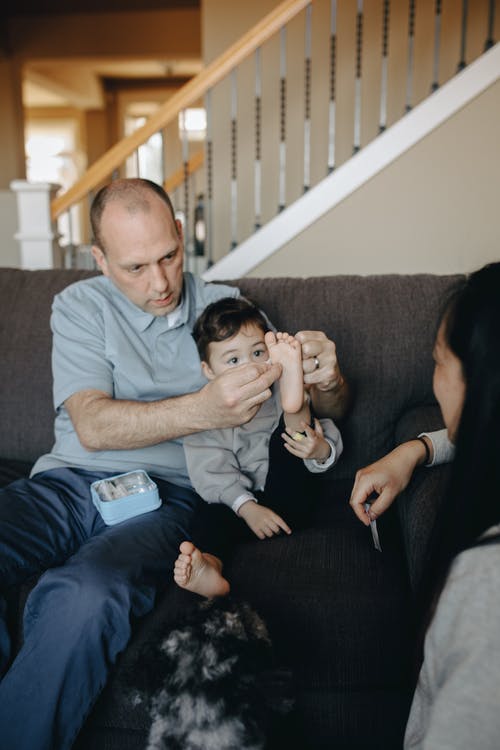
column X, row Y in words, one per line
column 105, row 423
column 328, row 388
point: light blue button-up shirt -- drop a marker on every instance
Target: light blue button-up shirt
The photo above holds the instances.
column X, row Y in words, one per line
column 103, row 341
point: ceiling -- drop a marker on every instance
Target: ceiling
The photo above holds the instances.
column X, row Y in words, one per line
column 83, row 82
column 34, row 7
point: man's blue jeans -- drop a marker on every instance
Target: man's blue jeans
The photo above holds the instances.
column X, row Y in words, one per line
column 77, row 619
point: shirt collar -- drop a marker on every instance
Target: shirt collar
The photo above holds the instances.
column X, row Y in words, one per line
column 141, row 320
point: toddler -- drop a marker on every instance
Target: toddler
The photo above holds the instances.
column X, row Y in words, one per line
column 260, row 470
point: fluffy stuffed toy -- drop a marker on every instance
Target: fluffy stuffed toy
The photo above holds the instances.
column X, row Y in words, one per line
column 212, row 684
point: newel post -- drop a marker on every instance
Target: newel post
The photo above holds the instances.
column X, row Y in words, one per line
column 37, row 233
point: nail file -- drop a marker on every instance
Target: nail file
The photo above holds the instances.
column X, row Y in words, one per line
column 373, row 527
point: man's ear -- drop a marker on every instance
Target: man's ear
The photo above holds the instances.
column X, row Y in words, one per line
column 100, row 259
column 207, row 371
column 178, row 224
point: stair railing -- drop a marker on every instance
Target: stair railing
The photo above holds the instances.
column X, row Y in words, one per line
column 296, row 96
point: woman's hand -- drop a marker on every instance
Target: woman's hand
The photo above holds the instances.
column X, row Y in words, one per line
column 387, row 477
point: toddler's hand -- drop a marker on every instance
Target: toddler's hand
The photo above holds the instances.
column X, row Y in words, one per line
column 310, row 445
column 263, row 521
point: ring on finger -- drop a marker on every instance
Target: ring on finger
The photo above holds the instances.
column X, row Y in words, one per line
column 316, row 363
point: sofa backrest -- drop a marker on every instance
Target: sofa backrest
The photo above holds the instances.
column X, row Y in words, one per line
column 383, row 326
column 26, row 407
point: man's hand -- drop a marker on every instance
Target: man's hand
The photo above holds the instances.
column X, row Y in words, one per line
column 319, row 360
column 263, row 521
column 328, row 388
column 387, row 477
column 234, row 397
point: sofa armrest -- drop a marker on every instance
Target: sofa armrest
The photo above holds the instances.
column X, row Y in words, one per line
column 417, row 509
column 419, row 503
column 11, row 470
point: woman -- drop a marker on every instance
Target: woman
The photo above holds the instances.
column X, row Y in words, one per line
column 457, row 699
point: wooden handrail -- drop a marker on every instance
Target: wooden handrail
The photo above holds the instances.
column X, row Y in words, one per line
column 191, row 92
column 177, row 177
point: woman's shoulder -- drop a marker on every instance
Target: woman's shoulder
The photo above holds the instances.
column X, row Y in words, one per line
column 468, row 611
column 477, row 559
column 475, row 572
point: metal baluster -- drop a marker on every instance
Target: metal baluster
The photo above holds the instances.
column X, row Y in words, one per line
column 463, row 37
column 209, row 178
column 333, row 74
column 282, row 164
column 411, row 46
column 137, row 163
column 163, row 157
column 357, row 83
column 491, row 24
column 72, row 249
column 385, row 61
column 437, row 36
column 88, row 233
column 185, row 185
column 258, row 134
column 174, row 197
column 307, row 102
column 234, row 146
column 190, row 219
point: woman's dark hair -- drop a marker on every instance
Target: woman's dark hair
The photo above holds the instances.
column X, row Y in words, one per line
column 471, row 328
column 223, row 319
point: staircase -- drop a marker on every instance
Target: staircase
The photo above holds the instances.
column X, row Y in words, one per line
column 305, row 108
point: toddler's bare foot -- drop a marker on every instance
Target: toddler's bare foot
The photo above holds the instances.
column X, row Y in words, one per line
column 199, row 572
column 286, row 350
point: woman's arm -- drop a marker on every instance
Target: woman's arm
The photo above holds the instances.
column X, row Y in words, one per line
column 387, row 477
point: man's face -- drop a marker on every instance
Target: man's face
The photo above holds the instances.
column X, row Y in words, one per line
column 144, row 254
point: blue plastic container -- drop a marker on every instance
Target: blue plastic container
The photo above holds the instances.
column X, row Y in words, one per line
column 125, row 496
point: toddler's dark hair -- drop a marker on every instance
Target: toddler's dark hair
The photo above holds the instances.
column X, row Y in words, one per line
column 223, row 319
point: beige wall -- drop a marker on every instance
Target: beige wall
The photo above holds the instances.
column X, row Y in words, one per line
column 434, row 210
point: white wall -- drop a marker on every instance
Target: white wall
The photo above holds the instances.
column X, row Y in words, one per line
column 436, row 209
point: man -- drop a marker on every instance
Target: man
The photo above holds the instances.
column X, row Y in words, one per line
column 127, row 388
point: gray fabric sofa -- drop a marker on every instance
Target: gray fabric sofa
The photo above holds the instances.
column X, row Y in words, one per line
column 339, row 612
